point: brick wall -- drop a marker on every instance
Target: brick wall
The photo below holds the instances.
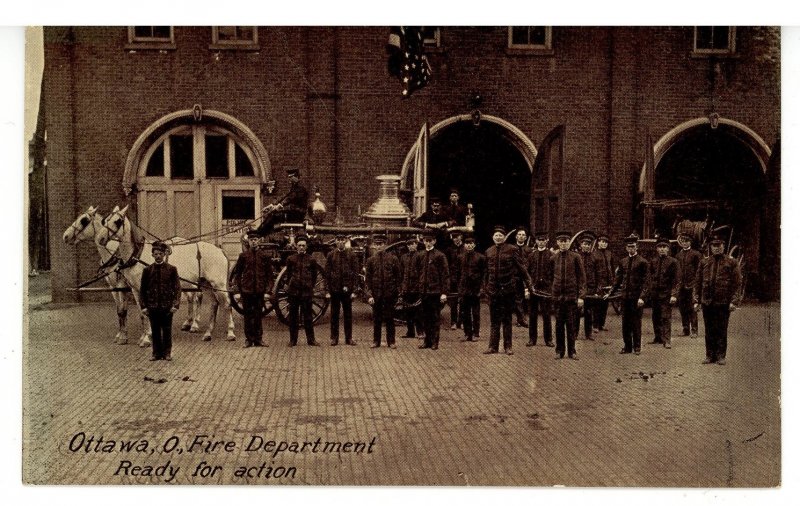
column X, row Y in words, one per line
column 320, row 98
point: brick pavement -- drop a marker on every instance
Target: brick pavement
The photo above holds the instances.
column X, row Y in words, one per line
column 451, row 417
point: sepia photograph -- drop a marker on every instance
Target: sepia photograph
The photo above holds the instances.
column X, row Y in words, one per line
column 426, row 256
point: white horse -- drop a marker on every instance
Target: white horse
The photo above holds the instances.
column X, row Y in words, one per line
column 199, row 264
column 85, row 228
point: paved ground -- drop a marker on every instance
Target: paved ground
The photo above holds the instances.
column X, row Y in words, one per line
column 451, row 417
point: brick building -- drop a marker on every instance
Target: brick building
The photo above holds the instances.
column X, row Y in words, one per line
column 538, row 126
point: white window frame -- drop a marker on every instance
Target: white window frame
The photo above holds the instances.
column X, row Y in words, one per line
column 216, row 43
column 434, row 42
column 548, row 40
column 729, row 50
column 199, row 133
column 160, row 43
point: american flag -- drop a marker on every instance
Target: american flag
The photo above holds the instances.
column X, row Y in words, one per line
column 407, row 60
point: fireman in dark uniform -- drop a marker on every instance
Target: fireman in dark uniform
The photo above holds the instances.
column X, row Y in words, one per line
column 455, row 211
column 454, row 251
column 342, row 278
column 504, row 266
column 383, row 279
column 472, row 271
column 251, row 278
column 435, row 218
column 605, row 278
column 716, row 289
column 633, row 285
column 539, row 265
column 664, row 282
column 301, row 276
column 160, row 297
column 591, row 267
column 569, row 289
column 521, row 303
column 432, row 275
column 291, row 208
column 410, row 292
column 688, row 261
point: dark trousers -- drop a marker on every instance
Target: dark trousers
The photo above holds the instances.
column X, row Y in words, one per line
column 586, row 313
column 298, row 305
column 251, row 305
column 688, row 314
column 715, row 320
column 161, row 327
column 520, row 304
column 599, row 312
column 383, row 312
column 413, row 314
column 566, row 318
column 540, row 305
column 341, row 302
column 471, row 315
column 662, row 320
column 454, row 301
column 500, row 309
column 631, row 325
column 431, row 318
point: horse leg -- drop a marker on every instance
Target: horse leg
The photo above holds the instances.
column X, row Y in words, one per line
column 121, row 298
column 227, row 305
column 213, row 319
column 145, row 340
column 187, row 323
column 194, row 300
column 198, row 301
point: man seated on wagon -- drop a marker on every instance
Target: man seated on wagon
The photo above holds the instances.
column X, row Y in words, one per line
column 290, row 209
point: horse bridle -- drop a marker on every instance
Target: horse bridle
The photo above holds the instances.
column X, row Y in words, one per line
column 112, row 234
column 85, row 226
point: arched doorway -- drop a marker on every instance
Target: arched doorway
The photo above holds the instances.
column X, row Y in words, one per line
column 197, row 173
column 489, row 162
column 715, row 174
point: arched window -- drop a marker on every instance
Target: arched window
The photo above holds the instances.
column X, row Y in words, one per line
column 198, row 179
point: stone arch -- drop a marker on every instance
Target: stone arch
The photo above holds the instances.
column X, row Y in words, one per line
column 738, row 130
column 186, row 117
column 512, row 133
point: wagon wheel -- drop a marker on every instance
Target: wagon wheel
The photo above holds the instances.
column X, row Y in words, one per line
column 319, row 304
column 401, row 307
column 265, row 309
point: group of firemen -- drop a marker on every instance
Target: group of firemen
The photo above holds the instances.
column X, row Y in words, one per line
column 533, row 282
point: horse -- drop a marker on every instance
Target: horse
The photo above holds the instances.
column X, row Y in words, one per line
column 199, row 264
column 85, row 228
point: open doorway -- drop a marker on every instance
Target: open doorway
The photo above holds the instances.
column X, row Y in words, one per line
column 490, row 172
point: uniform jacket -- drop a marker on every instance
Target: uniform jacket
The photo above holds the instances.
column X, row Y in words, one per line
column 632, row 278
column 665, row 275
column 689, row 261
column 718, row 281
column 457, row 214
column 569, row 276
column 429, row 218
column 472, row 270
column 505, row 265
column 161, row 287
column 540, row 269
column 453, row 254
column 341, row 270
column 301, row 275
column 408, row 284
column 252, row 273
column 384, row 276
column 605, row 274
column 431, row 272
column 592, row 266
column 296, row 201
